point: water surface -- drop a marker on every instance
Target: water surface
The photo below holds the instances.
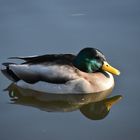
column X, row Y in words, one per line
column 33, row 27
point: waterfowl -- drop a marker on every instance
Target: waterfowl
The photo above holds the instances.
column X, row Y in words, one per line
column 86, row 72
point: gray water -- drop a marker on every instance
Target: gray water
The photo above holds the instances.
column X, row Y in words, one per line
column 33, row 27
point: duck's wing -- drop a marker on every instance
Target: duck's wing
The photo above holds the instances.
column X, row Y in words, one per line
column 48, row 68
column 58, row 58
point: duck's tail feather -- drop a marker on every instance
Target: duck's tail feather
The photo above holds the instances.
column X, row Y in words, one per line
column 9, row 73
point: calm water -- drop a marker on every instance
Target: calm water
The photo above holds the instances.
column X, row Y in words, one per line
column 32, row 27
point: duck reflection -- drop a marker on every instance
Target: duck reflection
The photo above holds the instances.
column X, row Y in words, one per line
column 99, row 110
column 93, row 106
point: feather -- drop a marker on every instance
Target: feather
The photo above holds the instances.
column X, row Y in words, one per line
column 50, row 73
column 7, row 64
column 47, row 58
column 48, row 68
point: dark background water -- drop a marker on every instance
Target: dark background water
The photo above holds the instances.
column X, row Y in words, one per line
column 32, row 27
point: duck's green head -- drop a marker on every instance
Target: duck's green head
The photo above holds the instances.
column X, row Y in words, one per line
column 91, row 60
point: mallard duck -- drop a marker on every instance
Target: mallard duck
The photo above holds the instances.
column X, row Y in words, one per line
column 86, row 72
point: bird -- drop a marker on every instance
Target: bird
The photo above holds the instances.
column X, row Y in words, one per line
column 86, row 72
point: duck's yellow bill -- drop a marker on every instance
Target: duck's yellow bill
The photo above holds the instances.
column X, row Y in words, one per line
column 107, row 67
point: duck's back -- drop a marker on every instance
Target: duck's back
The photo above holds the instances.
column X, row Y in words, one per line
column 48, row 68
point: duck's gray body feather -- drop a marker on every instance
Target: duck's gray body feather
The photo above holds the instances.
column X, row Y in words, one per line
column 48, row 68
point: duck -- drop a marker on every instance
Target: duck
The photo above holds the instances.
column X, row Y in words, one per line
column 86, row 72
